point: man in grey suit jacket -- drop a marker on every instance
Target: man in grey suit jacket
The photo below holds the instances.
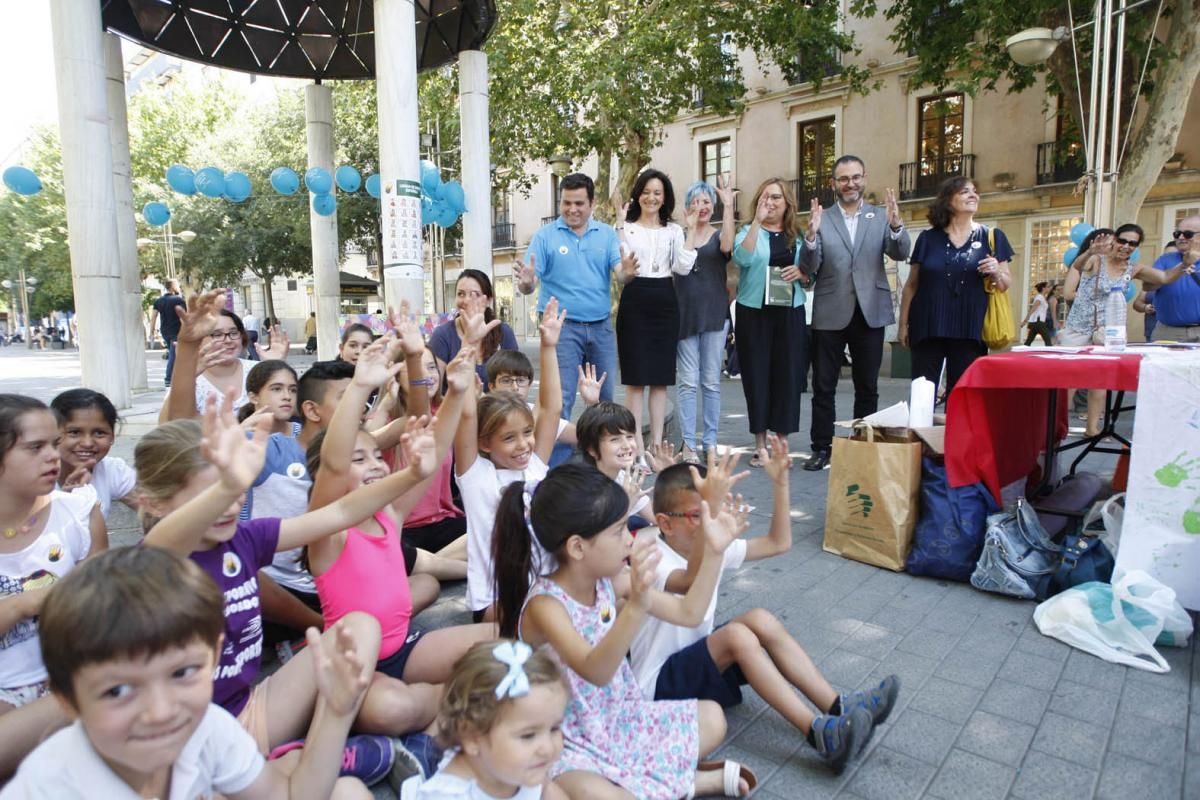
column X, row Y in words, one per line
column 852, row 301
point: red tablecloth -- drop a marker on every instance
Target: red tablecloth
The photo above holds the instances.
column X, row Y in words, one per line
column 996, row 416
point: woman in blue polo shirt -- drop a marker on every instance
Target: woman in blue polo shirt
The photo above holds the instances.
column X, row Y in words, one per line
column 771, row 330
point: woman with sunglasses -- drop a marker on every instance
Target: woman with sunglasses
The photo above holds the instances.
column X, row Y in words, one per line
column 1104, row 264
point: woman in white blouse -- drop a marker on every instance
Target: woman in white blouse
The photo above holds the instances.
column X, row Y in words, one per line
column 648, row 315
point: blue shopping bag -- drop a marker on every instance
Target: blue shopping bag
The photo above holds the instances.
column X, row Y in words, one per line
column 949, row 534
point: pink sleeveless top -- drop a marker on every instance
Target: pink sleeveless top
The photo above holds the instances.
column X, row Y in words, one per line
column 369, row 576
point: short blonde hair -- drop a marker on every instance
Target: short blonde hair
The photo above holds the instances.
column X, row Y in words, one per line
column 165, row 459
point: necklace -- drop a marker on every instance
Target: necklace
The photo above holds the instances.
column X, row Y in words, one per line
column 12, row 533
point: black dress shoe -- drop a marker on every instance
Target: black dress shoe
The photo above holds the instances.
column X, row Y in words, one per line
column 819, row 460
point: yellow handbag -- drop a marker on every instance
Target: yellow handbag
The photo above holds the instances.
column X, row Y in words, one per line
column 998, row 327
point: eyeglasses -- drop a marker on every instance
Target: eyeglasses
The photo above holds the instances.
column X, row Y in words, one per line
column 1182, row 234
column 227, row 336
column 519, row 383
column 1129, row 242
column 775, row 197
column 691, row 516
column 845, row 180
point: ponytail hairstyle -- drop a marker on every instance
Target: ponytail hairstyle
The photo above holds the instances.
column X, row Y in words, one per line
column 491, row 342
column 165, row 459
column 257, row 379
column 572, row 500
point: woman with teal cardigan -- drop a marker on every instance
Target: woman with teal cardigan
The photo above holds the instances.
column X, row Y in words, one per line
column 771, row 331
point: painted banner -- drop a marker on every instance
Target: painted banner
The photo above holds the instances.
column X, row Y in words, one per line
column 1161, row 533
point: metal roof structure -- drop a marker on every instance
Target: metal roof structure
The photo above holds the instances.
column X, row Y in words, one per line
column 309, row 39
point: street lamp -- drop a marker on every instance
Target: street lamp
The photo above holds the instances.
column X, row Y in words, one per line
column 26, row 285
column 1101, row 151
column 560, row 165
column 167, row 240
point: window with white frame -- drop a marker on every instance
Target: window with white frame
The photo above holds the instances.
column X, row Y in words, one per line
column 1049, row 240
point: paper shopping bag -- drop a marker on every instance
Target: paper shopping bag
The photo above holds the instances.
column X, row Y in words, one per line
column 872, row 506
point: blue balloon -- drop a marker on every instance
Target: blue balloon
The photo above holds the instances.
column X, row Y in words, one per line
column 22, row 180
column 1080, row 231
column 156, row 213
column 444, row 215
column 237, row 187
column 427, row 215
column 373, row 186
column 454, row 196
column 210, row 182
column 318, row 181
column 347, row 177
column 431, row 177
column 324, row 204
column 285, row 180
column 1135, row 256
column 1069, row 256
column 1131, row 291
column 181, row 179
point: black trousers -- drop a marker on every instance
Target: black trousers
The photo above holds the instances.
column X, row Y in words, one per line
column 866, row 355
column 928, row 356
column 772, row 349
column 1042, row 329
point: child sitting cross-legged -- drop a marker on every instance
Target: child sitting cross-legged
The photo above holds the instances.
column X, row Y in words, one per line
column 674, row 661
column 501, row 718
column 130, row 640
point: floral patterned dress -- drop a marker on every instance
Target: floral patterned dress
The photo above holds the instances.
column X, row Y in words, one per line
column 647, row 747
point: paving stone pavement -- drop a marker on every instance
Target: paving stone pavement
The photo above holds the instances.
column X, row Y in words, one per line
column 989, row 707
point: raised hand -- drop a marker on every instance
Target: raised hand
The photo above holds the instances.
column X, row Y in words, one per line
column 527, row 275
column 761, row 212
column 342, row 677
column 737, row 508
column 589, row 385
column 223, row 444
column 893, row 209
column 420, row 446
column 660, row 456
column 200, row 317
column 460, row 372
column 279, row 344
column 775, row 458
column 643, row 563
column 251, row 422
column 552, row 322
column 725, row 191
column 80, row 476
column 720, row 528
column 375, row 366
column 474, row 327
column 719, row 478
column 814, row 219
column 629, row 264
column 633, row 485
column 691, row 217
column 210, row 354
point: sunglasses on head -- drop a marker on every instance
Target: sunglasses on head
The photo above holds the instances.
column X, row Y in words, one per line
column 1183, row 234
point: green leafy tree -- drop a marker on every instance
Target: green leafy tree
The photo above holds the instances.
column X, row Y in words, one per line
column 961, row 44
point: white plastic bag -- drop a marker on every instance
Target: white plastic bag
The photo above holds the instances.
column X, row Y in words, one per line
column 1120, row 622
column 1112, row 513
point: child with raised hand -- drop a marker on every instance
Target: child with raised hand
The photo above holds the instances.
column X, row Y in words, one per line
column 132, row 638
column 194, row 480
column 617, row 743
column 510, row 371
column 501, row 720
column 271, row 389
column 675, row 661
column 508, row 443
column 87, row 424
column 361, row 569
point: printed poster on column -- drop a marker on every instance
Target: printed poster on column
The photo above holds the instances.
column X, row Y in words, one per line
column 1161, row 533
column 403, row 256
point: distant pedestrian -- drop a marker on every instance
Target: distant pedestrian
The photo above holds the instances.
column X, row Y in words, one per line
column 164, row 313
column 251, row 323
column 310, row 334
column 1039, row 312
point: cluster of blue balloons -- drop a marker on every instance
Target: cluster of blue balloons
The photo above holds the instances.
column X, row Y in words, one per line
column 22, row 180
column 318, row 181
column 1079, row 232
column 210, row 182
column 441, row 203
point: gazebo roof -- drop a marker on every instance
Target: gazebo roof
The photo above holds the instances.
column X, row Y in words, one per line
column 310, row 39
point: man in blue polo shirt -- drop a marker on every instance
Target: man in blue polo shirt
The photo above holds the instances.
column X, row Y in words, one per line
column 573, row 258
column 1177, row 305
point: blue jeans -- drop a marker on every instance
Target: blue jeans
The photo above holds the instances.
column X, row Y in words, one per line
column 170, row 359
column 586, row 343
column 699, row 356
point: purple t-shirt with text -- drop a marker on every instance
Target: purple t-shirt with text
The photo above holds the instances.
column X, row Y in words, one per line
column 234, row 566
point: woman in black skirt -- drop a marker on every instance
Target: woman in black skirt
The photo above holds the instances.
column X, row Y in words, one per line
column 648, row 315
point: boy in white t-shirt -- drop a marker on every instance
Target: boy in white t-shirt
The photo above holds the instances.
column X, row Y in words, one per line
column 675, row 663
column 130, row 640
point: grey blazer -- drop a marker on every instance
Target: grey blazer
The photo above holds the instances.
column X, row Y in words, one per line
column 846, row 271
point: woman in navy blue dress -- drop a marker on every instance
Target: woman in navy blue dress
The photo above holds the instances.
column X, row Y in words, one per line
column 945, row 299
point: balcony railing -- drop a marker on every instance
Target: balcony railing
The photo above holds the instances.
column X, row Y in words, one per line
column 818, row 65
column 503, row 235
column 1058, row 165
column 922, row 178
column 805, row 189
column 549, row 219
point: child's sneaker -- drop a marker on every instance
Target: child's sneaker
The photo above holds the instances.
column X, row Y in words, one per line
column 369, row 758
column 838, row 739
column 878, row 701
column 424, row 750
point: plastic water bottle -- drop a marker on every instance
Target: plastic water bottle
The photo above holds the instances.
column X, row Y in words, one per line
column 1114, row 320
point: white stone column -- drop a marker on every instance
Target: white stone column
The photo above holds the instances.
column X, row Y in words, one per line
column 318, row 118
column 91, row 204
column 476, row 160
column 131, row 274
column 399, row 173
